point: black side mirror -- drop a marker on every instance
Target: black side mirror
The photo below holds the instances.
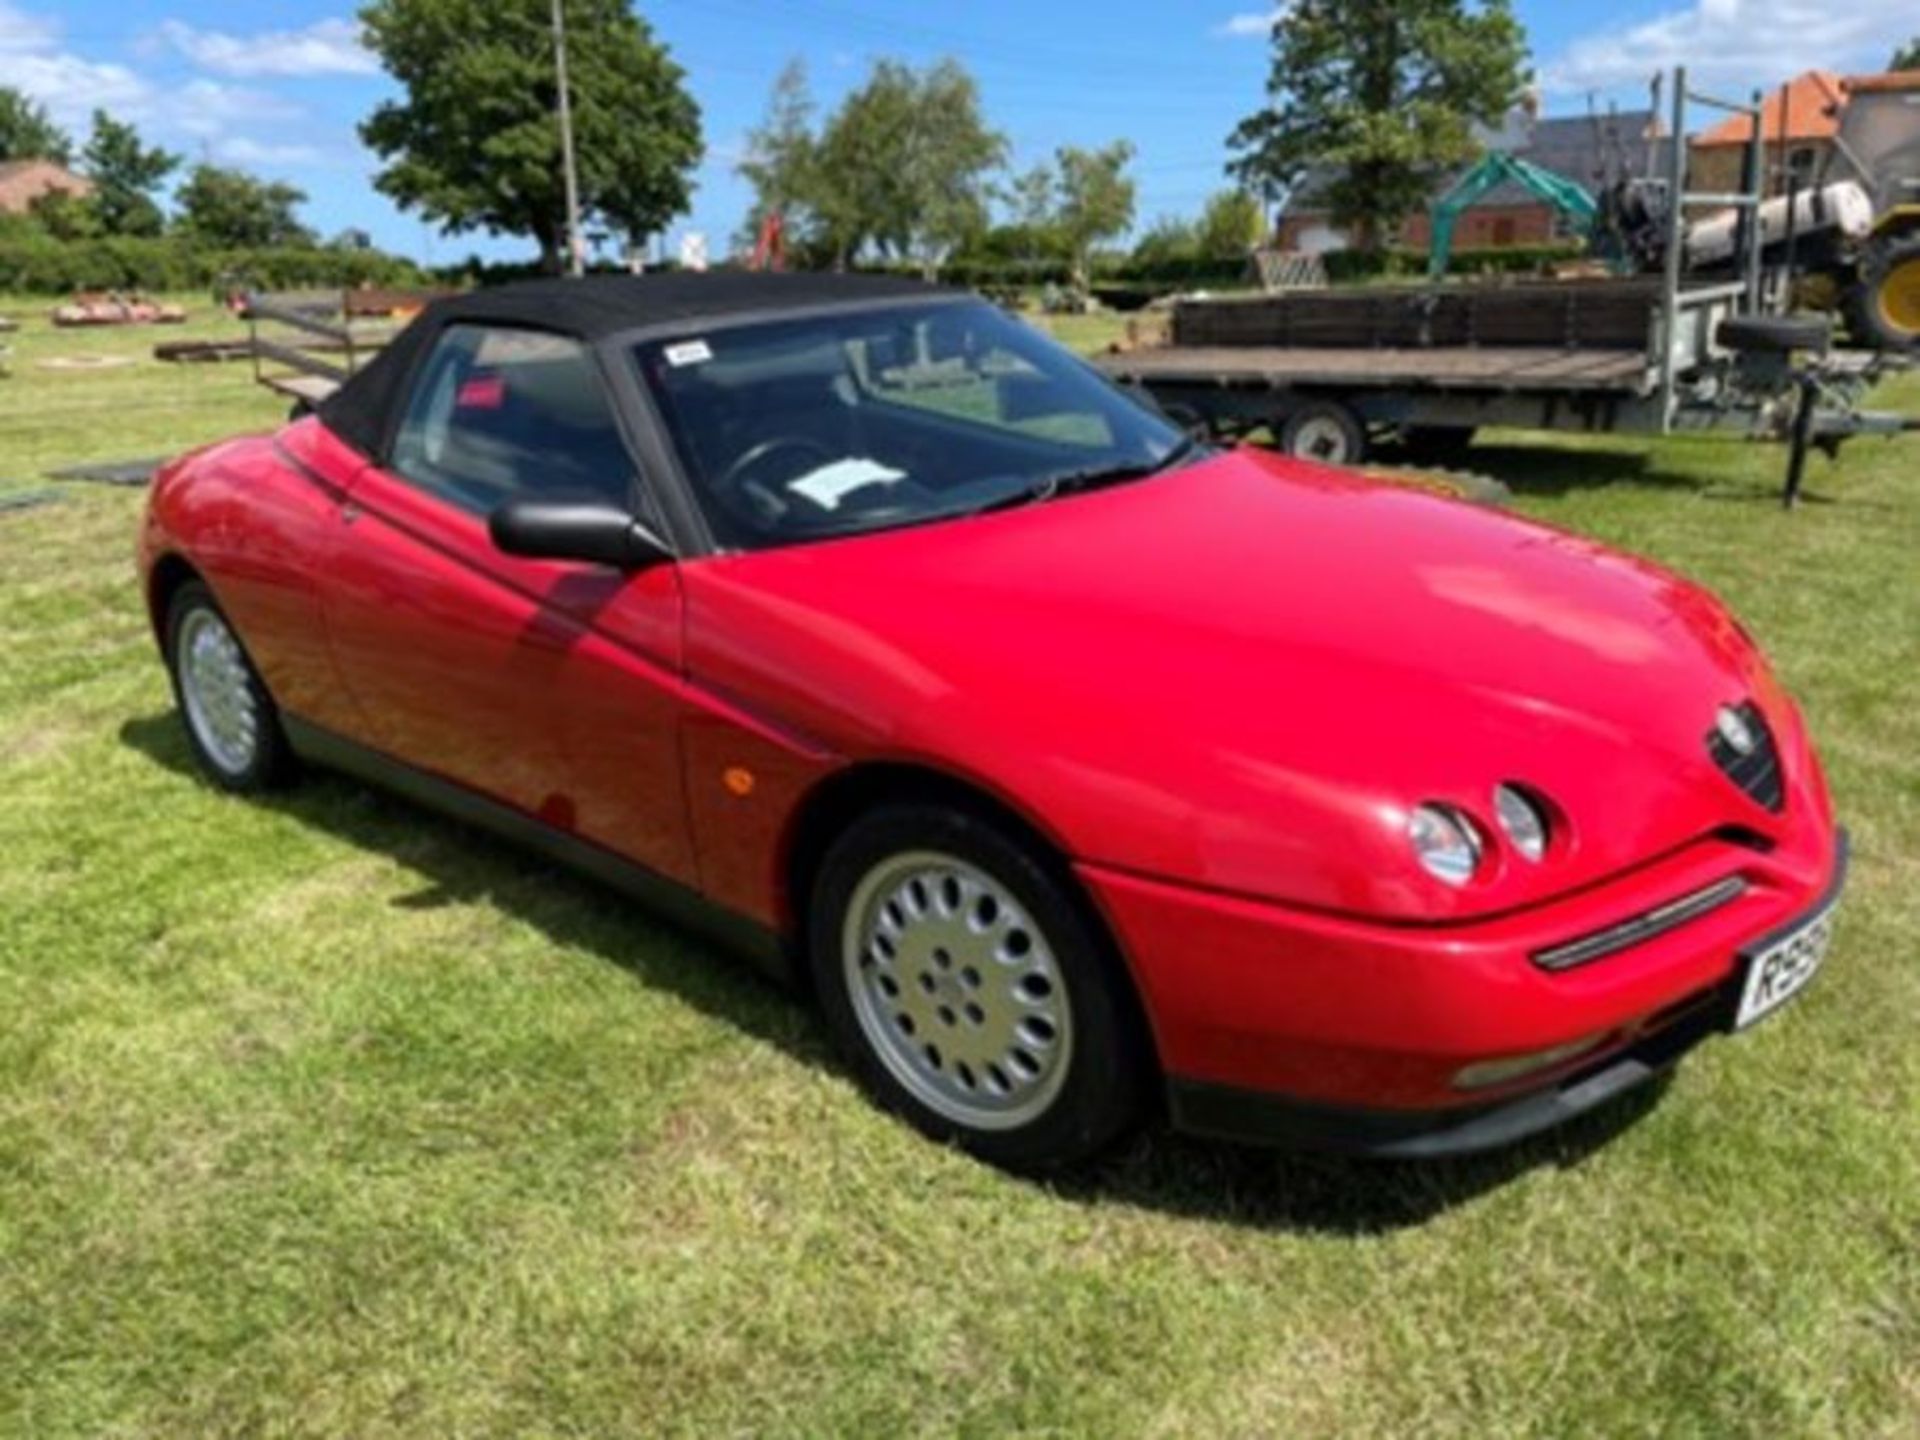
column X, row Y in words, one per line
column 588, row 530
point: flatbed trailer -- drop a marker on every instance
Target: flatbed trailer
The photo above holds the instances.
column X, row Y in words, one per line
column 1330, row 374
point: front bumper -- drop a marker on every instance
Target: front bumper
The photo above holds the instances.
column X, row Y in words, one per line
column 1324, row 1033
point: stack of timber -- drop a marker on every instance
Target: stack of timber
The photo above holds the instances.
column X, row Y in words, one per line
column 1560, row 315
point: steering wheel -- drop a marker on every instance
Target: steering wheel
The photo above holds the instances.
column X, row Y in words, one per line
column 763, row 507
column 741, row 490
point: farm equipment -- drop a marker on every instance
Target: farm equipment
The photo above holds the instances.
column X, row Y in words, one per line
column 1495, row 169
column 1879, row 276
column 113, row 308
column 1845, row 242
column 1328, row 374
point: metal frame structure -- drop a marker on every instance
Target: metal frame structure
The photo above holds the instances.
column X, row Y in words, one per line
column 1675, row 303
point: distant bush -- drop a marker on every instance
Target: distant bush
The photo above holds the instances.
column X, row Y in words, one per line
column 988, row 273
column 1181, row 272
column 475, row 273
column 36, row 263
column 1350, row 266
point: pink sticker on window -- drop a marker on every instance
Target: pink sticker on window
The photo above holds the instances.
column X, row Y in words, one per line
column 482, row 392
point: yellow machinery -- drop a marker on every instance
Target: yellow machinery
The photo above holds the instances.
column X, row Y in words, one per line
column 1880, row 140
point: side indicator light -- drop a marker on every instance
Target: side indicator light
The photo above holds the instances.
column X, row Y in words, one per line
column 738, row 780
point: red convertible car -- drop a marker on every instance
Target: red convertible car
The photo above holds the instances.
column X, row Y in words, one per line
column 1075, row 767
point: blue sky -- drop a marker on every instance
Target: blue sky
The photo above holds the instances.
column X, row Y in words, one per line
column 277, row 85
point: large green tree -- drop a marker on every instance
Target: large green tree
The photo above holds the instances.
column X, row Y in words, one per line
column 1031, row 198
column 232, row 208
column 125, row 175
column 780, row 155
column 27, row 132
column 951, row 159
column 1096, row 200
column 903, row 166
column 1907, row 57
column 474, row 143
column 1383, row 94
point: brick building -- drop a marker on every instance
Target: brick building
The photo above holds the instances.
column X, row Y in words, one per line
column 1809, row 108
column 24, row 181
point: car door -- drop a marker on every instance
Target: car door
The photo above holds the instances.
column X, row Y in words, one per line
column 551, row 686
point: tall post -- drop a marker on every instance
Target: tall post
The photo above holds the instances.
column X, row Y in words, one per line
column 1752, row 232
column 1676, row 248
column 1791, row 180
column 576, row 252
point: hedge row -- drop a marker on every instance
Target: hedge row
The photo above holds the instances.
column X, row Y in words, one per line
column 1212, row 273
column 1344, row 266
column 42, row 265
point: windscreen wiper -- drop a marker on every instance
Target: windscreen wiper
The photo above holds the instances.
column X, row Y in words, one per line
column 1092, row 478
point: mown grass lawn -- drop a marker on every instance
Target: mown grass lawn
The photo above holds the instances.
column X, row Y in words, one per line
column 325, row 1117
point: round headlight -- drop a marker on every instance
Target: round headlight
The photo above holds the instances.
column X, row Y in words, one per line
column 1523, row 820
column 1446, row 842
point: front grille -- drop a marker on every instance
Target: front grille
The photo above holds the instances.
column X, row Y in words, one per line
column 1757, row 773
column 1638, row 929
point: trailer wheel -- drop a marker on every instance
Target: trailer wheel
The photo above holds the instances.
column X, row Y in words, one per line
column 1883, row 309
column 1325, row 431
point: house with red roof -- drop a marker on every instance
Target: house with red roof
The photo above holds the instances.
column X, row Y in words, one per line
column 1798, row 123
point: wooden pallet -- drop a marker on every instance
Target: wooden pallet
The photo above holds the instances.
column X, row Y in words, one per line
column 309, row 389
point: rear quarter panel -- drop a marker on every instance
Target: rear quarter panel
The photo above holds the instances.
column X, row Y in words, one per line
column 256, row 518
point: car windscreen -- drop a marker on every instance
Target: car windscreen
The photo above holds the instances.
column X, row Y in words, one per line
column 863, row 420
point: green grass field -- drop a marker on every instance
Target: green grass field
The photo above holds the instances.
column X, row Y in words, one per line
column 324, row 1117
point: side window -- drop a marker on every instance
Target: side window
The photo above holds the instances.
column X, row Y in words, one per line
column 499, row 413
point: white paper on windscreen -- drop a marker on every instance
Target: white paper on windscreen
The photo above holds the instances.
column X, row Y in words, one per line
column 830, row 484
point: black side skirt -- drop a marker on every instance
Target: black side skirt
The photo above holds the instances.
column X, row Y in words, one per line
column 685, row 907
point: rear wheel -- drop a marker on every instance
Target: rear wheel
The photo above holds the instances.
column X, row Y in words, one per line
column 232, row 725
column 971, row 991
column 1883, row 309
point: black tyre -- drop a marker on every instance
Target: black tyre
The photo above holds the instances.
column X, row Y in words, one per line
column 1883, row 309
column 1776, row 334
column 971, row 989
column 1326, row 431
column 232, row 724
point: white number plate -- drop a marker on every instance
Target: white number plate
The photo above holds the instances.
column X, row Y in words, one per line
column 1782, row 970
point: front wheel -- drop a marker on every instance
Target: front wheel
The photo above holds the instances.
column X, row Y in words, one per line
column 972, row 992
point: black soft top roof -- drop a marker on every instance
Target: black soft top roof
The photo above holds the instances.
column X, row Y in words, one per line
column 592, row 308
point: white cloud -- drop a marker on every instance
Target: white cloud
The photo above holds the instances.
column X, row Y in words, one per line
column 209, row 109
column 1248, row 24
column 1737, row 43
column 22, row 33
column 326, row 47
column 32, row 62
column 217, row 118
column 239, row 150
